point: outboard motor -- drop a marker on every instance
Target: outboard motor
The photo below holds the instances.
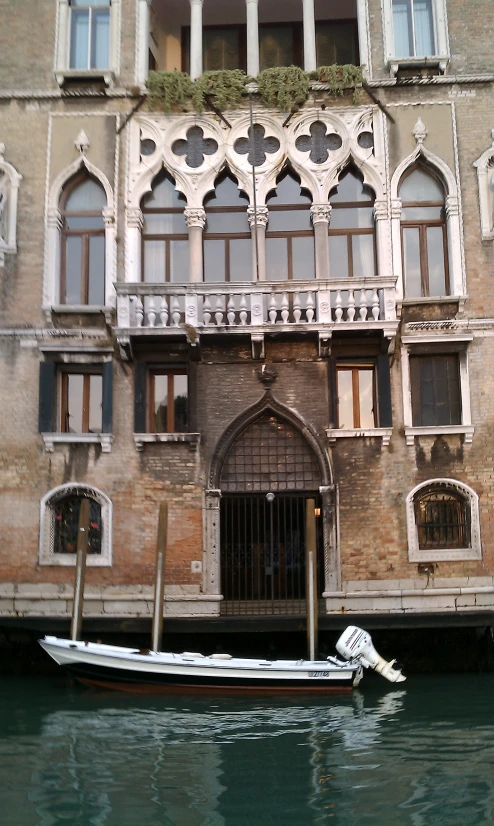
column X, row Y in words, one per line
column 356, row 644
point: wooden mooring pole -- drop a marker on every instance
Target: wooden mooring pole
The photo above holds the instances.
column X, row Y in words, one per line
column 311, row 578
column 80, row 571
column 159, row 583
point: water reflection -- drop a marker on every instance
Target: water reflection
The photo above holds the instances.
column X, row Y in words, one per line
column 414, row 757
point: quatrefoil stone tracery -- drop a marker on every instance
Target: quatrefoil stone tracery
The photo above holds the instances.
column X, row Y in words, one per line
column 195, row 147
column 319, row 143
column 256, row 149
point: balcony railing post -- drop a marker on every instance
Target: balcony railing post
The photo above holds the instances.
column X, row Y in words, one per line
column 191, row 309
column 123, row 310
column 324, row 307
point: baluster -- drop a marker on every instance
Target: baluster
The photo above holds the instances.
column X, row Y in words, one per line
column 207, row 311
column 375, row 305
column 297, row 311
column 351, row 305
column 273, row 311
column 219, row 312
column 164, row 312
column 243, row 309
column 175, row 308
column 363, row 305
column 309, row 307
column 139, row 312
column 284, row 308
column 151, row 311
column 339, row 310
column 231, row 310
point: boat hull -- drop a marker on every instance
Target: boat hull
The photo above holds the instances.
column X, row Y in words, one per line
column 130, row 670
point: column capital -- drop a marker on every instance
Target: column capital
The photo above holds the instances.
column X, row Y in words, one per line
column 196, row 2
column 381, row 210
column 262, row 216
column 396, row 208
column 320, row 213
column 195, row 217
column 256, row 3
column 134, row 218
column 452, row 206
column 54, row 218
column 109, row 217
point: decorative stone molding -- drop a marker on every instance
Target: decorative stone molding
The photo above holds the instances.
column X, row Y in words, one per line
column 52, row 439
column 195, row 217
column 320, row 213
column 419, row 132
column 472, row 551
column 383, row 433
column 381, row 210
column 134, row 218
column 485, row 178
column 262, row 215
column 192, row 439
column 9, row 187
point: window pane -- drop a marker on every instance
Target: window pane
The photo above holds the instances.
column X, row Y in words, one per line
column 164, row 195
column 276, row 46
column 227, row 222
column 350, row 188
column 289, row 220
column 221, row 49
column 288, row 192
column 276, row 259
column 338, row 256
column 411, row 262
column 363, row 256
column 435, row 390
column 345, row 399
column 88, row 196
column 422, row 213
column 100, row 40
column 303, row 263
column 179, row 262
column 420, row 186
column 424, row 29
column 241, row 260
column 226, row 193
column 82, row 222
column 366, row 398
column 96, row 270
column 154, row 262
column 214, row 260
column 95, row 404
column 402, row 29
column 90, row 3
column 358, row 217
column 180, row 403
column 79, row 40
column 164, row 223
column 435, row 257
column 160, row 409
column 74, row 403
column 73, row 269
column 336, row 43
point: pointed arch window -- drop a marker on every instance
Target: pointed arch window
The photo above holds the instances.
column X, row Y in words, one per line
column 165, row 243
column 227, row 237
column 83, row 242
column 352, row 241
column 424, row 235
column 289, row 236
column 59, row 525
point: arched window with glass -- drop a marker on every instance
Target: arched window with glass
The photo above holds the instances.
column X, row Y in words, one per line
column 165, row 241
column 423, row 235
column 83, row 242
column 289, row 236
column 352, row 237
column 227, row 238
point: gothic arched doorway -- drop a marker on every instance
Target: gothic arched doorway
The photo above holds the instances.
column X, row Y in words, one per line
column 268, row 474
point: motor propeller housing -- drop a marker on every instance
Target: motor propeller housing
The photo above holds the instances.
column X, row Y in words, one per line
column 356, row 644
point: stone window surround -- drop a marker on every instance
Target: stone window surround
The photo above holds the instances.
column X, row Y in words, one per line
column 415, row 554
column 61, row 66
column 46, row 554
column 485, row 177
column 13, row 179
column 439, row 60
column 454, row 343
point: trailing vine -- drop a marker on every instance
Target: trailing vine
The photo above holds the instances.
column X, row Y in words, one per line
column 339, row 78
column 226, row 85
column 168, row 90
column 284, row 87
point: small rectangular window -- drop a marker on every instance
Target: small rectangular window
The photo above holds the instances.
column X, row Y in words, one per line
column 435, row 388
column 90, row 34
column 356, row 392
column 168, row 401
column 81, row 402
column 336, row 42
column 413, row 28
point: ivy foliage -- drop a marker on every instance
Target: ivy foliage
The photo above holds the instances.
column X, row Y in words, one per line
column 284, row 88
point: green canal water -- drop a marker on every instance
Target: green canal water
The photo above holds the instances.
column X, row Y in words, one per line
column 385, row 755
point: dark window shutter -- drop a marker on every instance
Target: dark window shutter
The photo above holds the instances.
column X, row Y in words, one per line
column 384, row 390
column 107, row 397
column 46, row 417
column 140, row 398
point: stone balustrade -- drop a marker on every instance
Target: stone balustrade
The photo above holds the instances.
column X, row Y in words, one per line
column 166, row 307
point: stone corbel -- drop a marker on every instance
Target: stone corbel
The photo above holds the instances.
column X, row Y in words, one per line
column 257, row 341
column 325, row 344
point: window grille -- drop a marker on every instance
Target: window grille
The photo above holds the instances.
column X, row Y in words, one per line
column 442, row 520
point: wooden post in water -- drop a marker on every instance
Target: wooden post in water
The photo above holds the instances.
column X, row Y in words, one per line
column 80, row 571
column 159, row 584
column 311, row 578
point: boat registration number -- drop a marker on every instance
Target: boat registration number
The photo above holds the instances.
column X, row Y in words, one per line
column 318, row 673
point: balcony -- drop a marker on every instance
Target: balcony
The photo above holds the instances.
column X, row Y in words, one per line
column 256, row 309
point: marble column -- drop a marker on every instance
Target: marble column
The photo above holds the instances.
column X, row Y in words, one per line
column 142, row 66
column 258, row 230
column 195, row 218
column 252, row 37
column 195, row 38
column 320, row 214
column 310, row 60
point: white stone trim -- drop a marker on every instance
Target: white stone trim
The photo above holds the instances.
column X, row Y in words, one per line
column 442, row 53
column 52, row 439
column 46, row 554
column 485, row 178
column 364, row 41
column 474, row 551
column 383, row 433
column 9, row 190
column 61, row 66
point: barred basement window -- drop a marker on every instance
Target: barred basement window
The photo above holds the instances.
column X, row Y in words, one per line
column 59, row 524
column 442, row 520
column 66, row 516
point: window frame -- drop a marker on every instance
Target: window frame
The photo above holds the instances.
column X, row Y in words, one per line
column 63, row 395
column 85, row 235
column 170, row 372
column 472, row 551
column 439, row 59
column 288, row 234
column 355, row 366
column 350, row 232
column 417, row 389
column 76, row 10
column 167, row 238
column 224, row 236
column 63, row 72
column 46, row 552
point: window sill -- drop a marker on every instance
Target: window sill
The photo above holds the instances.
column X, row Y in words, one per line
column 192, row 439
column 52, row 439
column 439, row 62
column 80, row 309
column 83, row 76
column 383, row 433
column 70, row 560
column 445, row 555
column 446, row 430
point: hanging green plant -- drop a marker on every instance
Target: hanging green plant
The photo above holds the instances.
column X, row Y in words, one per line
column 341, row 77
column 285, row 88
column 226, row 86
column 168, row 90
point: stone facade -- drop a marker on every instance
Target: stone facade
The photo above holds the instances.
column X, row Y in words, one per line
column 57, row 124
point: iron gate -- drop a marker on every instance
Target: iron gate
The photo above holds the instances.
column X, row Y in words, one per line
column 263, row 553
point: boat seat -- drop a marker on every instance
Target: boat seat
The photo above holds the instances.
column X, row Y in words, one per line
column 221, row 656
column 191, row 654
